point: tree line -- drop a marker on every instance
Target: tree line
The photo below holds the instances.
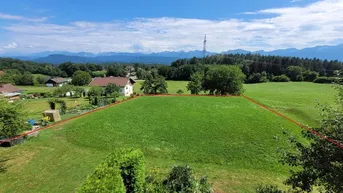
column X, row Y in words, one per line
column 257, row 68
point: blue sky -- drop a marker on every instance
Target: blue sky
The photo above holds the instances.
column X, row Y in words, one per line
column 29, row 26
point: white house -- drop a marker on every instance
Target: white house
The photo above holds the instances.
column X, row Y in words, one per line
column 57, row 82
column 126, row 84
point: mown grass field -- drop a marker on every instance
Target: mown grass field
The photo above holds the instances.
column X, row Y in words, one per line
column 231, row 140
column 36, row 89
column 298, row 100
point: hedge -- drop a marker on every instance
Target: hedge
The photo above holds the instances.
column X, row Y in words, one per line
column 131, row 164
column 104, row 179
column 122, row 171
column 325, row 80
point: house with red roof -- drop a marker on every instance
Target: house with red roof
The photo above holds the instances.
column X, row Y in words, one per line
column 10, row 91
column 125, row 83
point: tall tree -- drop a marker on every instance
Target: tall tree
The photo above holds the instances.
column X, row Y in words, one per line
column 295, row 73
column 224, row 80
column 116, row 71
column 154, row 85
column 69, row 68
column 195, row 84
column 81, row 78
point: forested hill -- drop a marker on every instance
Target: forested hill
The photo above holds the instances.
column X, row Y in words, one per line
column 63, row 70
column 256, row 63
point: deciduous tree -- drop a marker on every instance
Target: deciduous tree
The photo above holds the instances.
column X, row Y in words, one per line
column 224, row 80
column 112, row 90
column 319, row 163
column 295, row 73
column 13, row 118
column 195, row 84
column 116, row 71
column 81, row 78
column 154, row 85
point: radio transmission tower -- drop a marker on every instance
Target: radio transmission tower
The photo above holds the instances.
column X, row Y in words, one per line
column 204, row 50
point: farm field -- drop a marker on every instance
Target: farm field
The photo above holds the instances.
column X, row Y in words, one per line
column 298, row 100
column 211, row 134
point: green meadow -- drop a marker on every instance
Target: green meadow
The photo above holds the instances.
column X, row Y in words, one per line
column 298, row 100
column 231, row 140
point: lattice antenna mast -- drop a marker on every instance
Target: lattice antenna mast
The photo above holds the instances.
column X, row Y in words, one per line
column 204, row 50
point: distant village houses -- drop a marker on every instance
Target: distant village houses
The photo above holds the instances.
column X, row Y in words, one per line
column 57, row 82
column 125, row 83
column 9, row 91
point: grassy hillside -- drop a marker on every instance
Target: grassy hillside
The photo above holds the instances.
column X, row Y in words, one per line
column 231, row 140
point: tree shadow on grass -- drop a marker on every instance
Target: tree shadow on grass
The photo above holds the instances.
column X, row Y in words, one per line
column 301, row 114
column 3, row 168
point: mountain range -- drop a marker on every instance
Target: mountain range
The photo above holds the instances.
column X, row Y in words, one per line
column 58, row 57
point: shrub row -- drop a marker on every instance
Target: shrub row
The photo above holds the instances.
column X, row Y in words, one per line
column 323, row 80
column 122, row 171
column 282, row 78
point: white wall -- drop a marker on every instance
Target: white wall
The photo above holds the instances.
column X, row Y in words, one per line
column 127, row 90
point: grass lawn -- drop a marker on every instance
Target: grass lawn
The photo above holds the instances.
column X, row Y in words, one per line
column 231, row 140
column 36, row 89
column 298, row 100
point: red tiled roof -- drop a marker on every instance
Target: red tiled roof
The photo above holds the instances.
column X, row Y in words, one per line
column 5, row 88
column 119, row 81
column 2, row 73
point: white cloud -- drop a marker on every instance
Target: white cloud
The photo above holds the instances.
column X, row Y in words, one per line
column 11, row 45
column 21, row 18
column 294, row 1
column 315, row 24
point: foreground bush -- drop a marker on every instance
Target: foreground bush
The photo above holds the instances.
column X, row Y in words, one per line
column 323, row 80
column 131, row 164
column 122, row 171
column 104, row 179
column 282, row 78
column 268, row 189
